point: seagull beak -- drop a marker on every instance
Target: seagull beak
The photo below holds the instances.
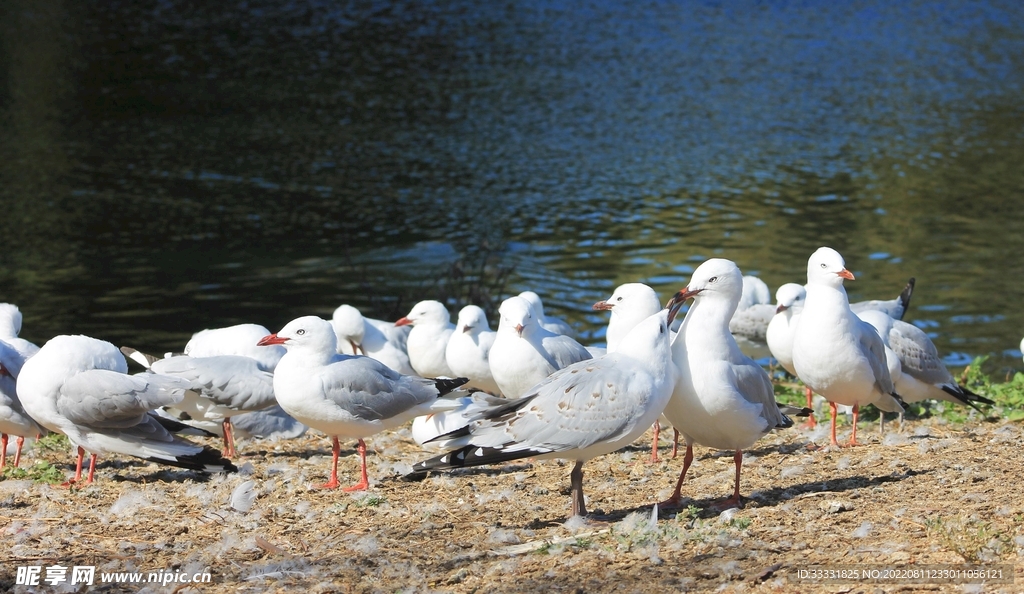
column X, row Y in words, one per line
column 677, row 302
column 781, row 308
column 356, row 347
column 466, row 328
column 602, row 306
column 403, row 322
column 519, row 330
column 844, row 273
column 271, row 339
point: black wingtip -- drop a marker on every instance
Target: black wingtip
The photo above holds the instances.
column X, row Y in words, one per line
column 906, row 294
column 785, row 424
column 180, row 428
column 445, row 385
column 470, row 455
column 966, row 396
column 899, row 399
column 207, row 460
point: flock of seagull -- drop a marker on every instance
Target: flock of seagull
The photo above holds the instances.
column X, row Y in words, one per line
column 477, row 396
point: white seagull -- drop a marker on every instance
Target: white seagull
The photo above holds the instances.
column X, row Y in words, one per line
column 524, row 353
column 431, row 329
column 722, row 399
column 835, row 353
column 630, row 304
column 582, row 411
column 10, row 328
column 383, row 341
column 227, row 375
column 754, row 310
column 79, row 386
column 13, row 418
column 469, row 348
column 342, row 395
column 550, row 323
column 921, row 375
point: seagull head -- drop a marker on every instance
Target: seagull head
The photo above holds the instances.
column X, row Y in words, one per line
column 718, row 277
column 788, row 295
column 308, row 332
column 471, row 318
column 427, row 313
column 631, row 296
column 827, row 267
column 517, row 315
column 535, row 303
column 349, row 325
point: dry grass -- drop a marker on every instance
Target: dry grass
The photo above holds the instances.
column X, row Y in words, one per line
column 928, row 495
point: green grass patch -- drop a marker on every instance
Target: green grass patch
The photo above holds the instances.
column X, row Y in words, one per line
column 40, row 472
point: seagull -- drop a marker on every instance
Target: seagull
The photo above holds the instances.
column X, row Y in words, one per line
column 10, row 328
column 630, row 304
column 587, row 409
column 431, row 329
column 835, row 353
column 227, row 375
column 13, row 418
column 524, row 353
column 469, row 347
column 376, row 339
column 722, row 399
column 551, row 324
column 922, row 374
column 342, row 395
column 79, row 386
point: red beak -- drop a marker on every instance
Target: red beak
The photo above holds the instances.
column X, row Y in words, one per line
column 601, row 306
column 844, row 273
column 781, row 308
column 519, row 329
column 677, row 300
column 271, row 339
column 403, row 322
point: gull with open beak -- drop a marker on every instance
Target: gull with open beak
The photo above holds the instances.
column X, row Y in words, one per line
column 722, row 399
column 835, row 353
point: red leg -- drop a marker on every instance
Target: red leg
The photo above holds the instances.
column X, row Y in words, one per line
column 17, row 453
column 92, row 469
column 78, row 469
column 832, row 406
column 735, row 500
column 811, row 422
column 333, row 483
column 364, row 480
column 3, row 452
column 673, row 501
column 675, row 443
column 229, row 440
column 654, row 444
column 853, row 435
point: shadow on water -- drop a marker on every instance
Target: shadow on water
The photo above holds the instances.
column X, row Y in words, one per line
column 168, row 166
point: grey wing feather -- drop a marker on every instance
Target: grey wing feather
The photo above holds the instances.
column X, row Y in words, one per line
column 564, row 351
column 101, row 398
column 752, row 323
column 574, row 408
column 918, row 355
column 874, row 350
column 231, row 381
column 373, row 391
column 756, row 387
column 890, row 307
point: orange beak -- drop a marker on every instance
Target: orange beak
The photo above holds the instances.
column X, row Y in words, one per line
column 844, row 273
column 519, row 330
column 601, row 306
column 403, row 322
column 271, row 339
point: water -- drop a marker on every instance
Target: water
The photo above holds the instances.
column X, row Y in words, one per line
column 166, row 167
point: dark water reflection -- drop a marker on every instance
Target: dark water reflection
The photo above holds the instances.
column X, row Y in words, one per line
column 168, row 166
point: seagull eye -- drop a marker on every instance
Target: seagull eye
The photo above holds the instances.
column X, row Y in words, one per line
column 619, row 299
column 823, row 265
column 300, row 331
column 712, row 279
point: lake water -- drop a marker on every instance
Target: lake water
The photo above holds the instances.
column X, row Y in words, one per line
column 170, row 166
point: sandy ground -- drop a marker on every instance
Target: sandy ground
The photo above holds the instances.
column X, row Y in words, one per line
column 928, row 494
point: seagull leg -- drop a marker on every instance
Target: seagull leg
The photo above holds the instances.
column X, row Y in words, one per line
column 78, row 469
column 673, row 501
column 333, row 483
column 853, row 435
column 675, row 443
column 832, row 406
column 881, row 422
column 735, row 500
column 17, row 453
column 364, row 480
column 92, row 469
column 656, row 428
column 579, row 505
column 811, row 422
column 3, row 450
column 229, row 440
